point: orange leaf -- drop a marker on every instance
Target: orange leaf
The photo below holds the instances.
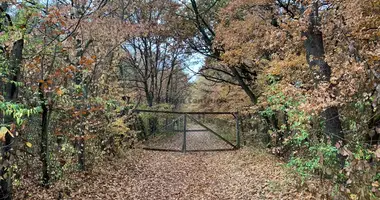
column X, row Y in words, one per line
column 71, row 67
column 59, row 91
column 57, row 73
column 82, row 60
column 37, row 59
column 89, row 62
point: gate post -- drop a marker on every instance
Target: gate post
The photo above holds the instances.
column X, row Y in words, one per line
column 180, row 122
column 184, row 134
column 237, row 131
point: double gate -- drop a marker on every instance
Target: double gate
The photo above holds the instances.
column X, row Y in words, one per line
column 192, row 125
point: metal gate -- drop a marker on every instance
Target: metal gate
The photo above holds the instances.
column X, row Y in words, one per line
column 192, row 125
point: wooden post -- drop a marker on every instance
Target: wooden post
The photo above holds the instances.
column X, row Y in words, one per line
column 237, row 131
column 184, row 134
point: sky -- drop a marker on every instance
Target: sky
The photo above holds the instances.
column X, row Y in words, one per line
column 194, row 64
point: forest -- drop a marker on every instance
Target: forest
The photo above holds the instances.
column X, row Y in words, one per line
column 80, row 79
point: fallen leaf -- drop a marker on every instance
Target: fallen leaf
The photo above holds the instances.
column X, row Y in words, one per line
column 28, row 144
column 59, row 92
column 3, row 131
column 377, row 153
column 345, row 152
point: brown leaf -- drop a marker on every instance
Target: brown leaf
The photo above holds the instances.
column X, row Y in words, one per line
column 377, row 153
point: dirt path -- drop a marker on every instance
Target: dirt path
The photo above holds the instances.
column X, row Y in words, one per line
column 213, row 175
column 145, row 175
column 201, row 140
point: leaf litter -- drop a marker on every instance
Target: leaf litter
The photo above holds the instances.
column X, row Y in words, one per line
column 140, row 174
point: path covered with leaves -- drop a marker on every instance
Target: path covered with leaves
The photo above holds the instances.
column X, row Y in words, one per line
column 195, row 141
column 141, row 174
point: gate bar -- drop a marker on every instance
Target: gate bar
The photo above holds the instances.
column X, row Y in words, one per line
column 184, row 134
column 195, row 130
column 180, row 112
column 219, row 136
column 210, row 150
column 157, row 149
column 237, row 130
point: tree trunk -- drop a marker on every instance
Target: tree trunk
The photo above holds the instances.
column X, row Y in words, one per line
column 44, row 137
column 81, row 142
column 159, row 98
column 243, row 85
column 315, row 55
column 149, row 98
column 156, row 72
column 11, row 95
column 167, row 95
column 79, row 80
column 81, row 145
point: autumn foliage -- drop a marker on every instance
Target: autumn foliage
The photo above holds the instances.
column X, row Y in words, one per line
column 304, row 74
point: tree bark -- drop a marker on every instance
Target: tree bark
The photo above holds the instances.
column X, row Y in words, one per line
column 79, row 80
column 10, row 95
column 243, row 85
column 44, row 137
column 168, row 84
column 315, row 55
column 81, row 144
column 149, row 98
